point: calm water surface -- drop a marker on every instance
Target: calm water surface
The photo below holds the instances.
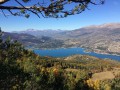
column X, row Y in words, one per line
column 64, row 52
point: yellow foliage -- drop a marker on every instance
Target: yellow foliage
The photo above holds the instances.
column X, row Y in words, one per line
column 107, row 87
column 94, row 84
column 37, row 66
column 55, row 71
column 43, row 69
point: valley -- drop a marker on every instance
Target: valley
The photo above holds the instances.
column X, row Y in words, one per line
column 104, row 39
column 28, row 70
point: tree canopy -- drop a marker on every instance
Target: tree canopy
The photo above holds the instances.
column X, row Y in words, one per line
column 46, row 8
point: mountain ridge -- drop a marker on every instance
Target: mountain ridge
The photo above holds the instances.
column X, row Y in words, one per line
column 105, row 25
column 103, row 38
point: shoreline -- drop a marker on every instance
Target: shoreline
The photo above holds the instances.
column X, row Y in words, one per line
column 84, row 49
column 89, row 51
column 106, row 53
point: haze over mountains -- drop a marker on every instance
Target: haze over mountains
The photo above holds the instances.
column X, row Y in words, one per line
column 103, row 38
column 39, row 33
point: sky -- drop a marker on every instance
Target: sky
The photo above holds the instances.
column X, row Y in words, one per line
column 98, row 14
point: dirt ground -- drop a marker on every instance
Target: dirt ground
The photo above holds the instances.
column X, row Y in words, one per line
column 106, row 74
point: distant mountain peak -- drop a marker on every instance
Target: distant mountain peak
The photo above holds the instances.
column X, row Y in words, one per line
column 106, row 25
column 111, row 25
column 31, row 30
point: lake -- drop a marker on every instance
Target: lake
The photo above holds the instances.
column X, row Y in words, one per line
column 64, row 52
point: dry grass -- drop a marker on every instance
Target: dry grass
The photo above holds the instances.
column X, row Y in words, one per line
column 72, row 70
column 103, row 75
column 106, row 74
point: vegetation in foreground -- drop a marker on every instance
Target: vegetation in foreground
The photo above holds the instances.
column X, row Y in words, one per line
column 21, row 69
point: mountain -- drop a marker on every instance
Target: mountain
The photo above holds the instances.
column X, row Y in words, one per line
column 107, row 25
column 103, row 38
column 39, row 33
column 100, row 38
column 34, row 42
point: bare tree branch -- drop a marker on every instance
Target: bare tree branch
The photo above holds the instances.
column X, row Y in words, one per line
column 29, row 9
column 3, row 13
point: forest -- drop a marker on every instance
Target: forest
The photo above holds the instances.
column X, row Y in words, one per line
column 21, row 69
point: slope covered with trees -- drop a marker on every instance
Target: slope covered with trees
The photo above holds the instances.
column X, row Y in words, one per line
column 21, row 69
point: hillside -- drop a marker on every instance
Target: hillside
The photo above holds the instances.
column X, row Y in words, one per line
column 103, row 38
column 30, row 41
column 21, row 69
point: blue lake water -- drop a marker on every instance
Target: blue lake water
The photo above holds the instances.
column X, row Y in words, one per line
column 63, row 52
